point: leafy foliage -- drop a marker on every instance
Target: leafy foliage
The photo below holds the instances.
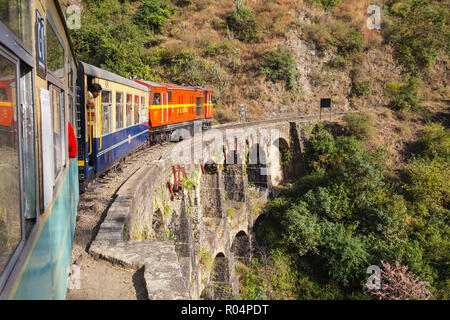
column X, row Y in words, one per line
column 327, row 3
column 359, row 125
column 346, row 256
column 152, row 14
column 345, row 215
column 428, row 181
column 419, row 33
column 404, row 96
column 279, row 65
column 435, row 141
column 242, row 22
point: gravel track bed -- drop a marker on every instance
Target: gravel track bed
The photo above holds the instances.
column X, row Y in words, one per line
column 99, row 279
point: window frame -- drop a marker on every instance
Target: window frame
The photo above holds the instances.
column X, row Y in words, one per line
column 9, row 266
column 110, row 104
column 130, row 104
column 136, row 109
column 59, row 175
column 122, row 109
column 51, row 76
column 10, row 40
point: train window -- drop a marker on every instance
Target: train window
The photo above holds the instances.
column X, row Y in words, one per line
column 129, row 109
column 106, row 104
column 17, row 161
column 70, row 94
column 28, row 143
column 55, row 53
column 10, row 220
column 169, row 97
column 70, row 75
column 136, row 110
column 71, row 112
column 59, row 129
column 119, row 110
column 143, row 115
column 16, row 15
column 198, row 106
column 156, row 98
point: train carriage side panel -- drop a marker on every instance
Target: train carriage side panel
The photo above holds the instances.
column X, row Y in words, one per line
column 121, row 122
column 38, row 266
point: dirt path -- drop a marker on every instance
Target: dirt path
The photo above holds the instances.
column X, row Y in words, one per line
column 100, row 280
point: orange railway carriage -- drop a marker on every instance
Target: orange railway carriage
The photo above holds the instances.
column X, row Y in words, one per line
column 6, row 103
column 173, row 107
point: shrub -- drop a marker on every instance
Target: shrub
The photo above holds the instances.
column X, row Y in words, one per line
column 331, row 203
column 346, row 40
column 346, row 256
column 284, row 275
column 428, row 181
column 180, row 66
column 360, row 89
column 435, row 141
column 397, row 283
column 359, row 125
column 152, row 14
column 339, row 62
column 254, row 286
column 302, row 229
column 404, row 96
column 183, row 3
column 219, row 49
column 279, row 65
column 242, row 22
column 419, row 33
column 338, row 37
column 327, row 3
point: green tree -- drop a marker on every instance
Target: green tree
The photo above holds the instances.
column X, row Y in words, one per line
column 279, row 65
column 152, row 14
column 242, row 22
column 419, row 33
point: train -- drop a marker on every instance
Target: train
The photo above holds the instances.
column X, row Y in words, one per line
column 129, row 114
column 44, row 95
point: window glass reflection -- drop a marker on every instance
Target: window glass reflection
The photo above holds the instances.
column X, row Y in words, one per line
column 10, row 219
column 15, row 14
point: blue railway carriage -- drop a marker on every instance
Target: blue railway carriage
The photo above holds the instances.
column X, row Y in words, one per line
column 117, row 125
column 38, row 181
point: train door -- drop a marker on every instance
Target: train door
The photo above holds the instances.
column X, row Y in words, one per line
column 163, row 119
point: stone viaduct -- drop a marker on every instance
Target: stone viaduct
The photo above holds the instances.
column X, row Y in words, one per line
column 188, row 217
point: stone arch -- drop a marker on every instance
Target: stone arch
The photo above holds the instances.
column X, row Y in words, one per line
column 233, row 177
column 220, row 277
column 210, row 191
column 257, row 166
column 262, row 229
column 282, row 168
column 241, row 247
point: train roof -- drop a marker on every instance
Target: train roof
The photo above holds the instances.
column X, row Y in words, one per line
column 107, row 75
column 152, row 83
column 171, row 86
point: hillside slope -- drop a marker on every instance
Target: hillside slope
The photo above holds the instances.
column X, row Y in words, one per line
column 281, row 57
column 230, row 47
